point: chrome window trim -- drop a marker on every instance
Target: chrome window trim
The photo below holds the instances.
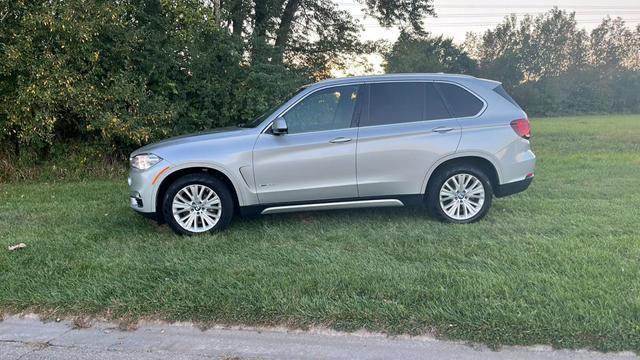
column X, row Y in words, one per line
column 311, row 92
column 484, row 102
column 480, row 112
column 370, row 82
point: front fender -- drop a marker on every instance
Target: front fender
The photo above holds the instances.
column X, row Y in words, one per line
column 233, row 178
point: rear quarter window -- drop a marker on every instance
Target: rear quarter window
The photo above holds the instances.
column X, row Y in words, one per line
column 461, row 102
column 502, row 92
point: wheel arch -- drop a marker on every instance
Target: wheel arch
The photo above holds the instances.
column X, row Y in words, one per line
column 177, row 173
column 482, row 161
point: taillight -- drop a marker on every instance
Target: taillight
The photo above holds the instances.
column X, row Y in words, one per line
column 522, row 128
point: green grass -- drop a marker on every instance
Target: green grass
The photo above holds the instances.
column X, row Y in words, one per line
column 558, row 264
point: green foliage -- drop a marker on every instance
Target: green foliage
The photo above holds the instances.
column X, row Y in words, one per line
column 551, row 67
column 66, row 161
column 548, row 64
column 530, row 49
column 405, row 12
column 125, row 73
column 581, row 91
column 424, row 53
column 613, row 45
column 499, row 51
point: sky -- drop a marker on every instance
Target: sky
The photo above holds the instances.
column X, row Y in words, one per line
column 457, row 17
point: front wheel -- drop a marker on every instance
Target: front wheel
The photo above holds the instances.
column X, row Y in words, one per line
column 459, row 194
column 197, row 203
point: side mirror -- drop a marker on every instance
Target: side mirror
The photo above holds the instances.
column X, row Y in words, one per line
column 279, row 127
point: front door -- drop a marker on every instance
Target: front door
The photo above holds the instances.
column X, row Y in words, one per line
column 316, row 159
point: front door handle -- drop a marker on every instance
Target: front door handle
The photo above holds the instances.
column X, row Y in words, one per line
column 442, row 129
column 340, row 140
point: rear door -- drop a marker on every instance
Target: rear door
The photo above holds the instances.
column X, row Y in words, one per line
column 404, row 130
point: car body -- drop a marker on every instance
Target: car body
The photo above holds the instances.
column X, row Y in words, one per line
column 349, row 142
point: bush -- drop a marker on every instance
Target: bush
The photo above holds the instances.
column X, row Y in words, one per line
column 123, row 74
column 65, row 161
column 588, row 91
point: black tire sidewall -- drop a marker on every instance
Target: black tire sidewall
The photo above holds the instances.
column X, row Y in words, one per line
column 433, row 198
column 212, row 182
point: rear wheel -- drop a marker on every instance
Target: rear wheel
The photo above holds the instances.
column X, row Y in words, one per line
column 459, row 194
column 197, row 203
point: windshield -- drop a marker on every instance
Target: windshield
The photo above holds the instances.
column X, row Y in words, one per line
column 257, row 121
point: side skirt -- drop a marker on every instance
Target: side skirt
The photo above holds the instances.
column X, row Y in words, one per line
column 332, row 204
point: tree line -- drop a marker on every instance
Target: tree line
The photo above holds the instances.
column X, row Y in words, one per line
column 122, row 73
column 127, row 72
column 548, row 63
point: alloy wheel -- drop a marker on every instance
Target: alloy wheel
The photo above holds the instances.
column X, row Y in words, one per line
column 462, row 196
column 196, row 208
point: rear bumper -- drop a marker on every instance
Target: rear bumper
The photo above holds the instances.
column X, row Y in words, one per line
column 513, row 187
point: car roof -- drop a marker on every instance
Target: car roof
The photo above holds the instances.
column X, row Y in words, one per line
column 387, row 77
column 465, row 80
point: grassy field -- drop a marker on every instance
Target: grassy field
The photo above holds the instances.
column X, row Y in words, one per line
column 558, row 264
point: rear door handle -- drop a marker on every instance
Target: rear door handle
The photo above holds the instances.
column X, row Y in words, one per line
column 340, row 140
column 442, row 129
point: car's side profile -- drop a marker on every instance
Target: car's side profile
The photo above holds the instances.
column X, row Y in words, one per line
column 450, row 142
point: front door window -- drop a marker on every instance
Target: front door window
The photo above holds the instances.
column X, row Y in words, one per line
column 326, row 109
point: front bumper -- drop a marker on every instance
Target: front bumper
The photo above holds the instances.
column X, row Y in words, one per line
column 142, row 187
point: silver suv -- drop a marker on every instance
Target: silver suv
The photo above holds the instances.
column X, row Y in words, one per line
column 449, row 142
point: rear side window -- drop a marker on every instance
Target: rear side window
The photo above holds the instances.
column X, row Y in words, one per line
column 392, row 103
column 502, row 92
column 461, row 102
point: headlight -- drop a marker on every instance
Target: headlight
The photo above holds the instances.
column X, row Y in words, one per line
column 144, row 161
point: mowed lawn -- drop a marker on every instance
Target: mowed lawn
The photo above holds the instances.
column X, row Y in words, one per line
column 558, row 264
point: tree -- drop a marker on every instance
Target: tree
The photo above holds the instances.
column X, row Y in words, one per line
column 532, row 48
column 499, row 51
column 129, row 72
column 555, row 45
column 613, row 45
column 552, row 67
column 312, row 32
column 425, row 53
column 120, row 72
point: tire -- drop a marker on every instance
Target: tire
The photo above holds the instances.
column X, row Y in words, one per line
column 454, row 210
column 211, row 208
